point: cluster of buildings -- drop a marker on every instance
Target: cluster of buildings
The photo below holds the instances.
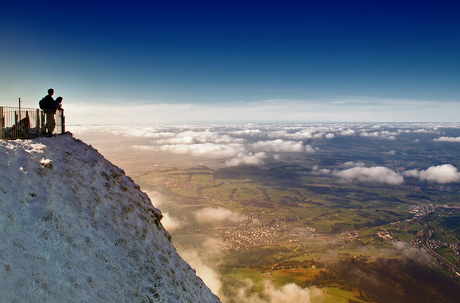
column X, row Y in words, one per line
column 254, row 231
column 417, row 243
column 238, row 239
column 385, row 234
column 454, row 246
column 423, row 210
column 436, row 244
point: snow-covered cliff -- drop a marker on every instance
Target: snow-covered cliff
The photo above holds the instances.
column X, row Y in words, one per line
column 75, row 228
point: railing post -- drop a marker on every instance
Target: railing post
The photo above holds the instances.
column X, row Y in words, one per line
column 63, row 121
column 26, row 128
column 37, row 124
column 2, row 129
column 42, row 116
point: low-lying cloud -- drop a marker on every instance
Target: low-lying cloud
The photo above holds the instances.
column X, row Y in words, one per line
column 246, row 159
column 353, row 164
column 208, row 150
column 289, row 293
column 211, row 214
column 205, row 260
column 448, row 139
column 279, row 145
column 446, row 173
column 382, row 134
column 408, row 251
column 370, row 174
column 233, row 152
column 171, row 223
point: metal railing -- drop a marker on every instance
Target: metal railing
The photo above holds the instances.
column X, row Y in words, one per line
column 25, row 123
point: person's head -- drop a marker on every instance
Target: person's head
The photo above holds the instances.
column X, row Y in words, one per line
column 50, row 91
column 59, row 99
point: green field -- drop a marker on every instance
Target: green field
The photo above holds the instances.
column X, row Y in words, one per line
column 294, row 217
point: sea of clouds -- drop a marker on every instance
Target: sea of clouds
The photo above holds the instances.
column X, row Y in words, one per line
column 256, row 144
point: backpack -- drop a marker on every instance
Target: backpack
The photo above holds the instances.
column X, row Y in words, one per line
column 46, row 103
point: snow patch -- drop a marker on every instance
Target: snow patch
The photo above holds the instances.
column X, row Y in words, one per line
column 75, row 228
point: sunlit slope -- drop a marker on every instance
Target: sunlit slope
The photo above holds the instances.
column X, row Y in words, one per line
column 75, row 228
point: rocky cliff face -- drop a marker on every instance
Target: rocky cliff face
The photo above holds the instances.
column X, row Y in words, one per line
column 75, row 228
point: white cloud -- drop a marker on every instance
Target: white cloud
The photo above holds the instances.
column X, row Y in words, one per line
column 210, row 214
column 300, row 135
column 353, row 164
column 411, row 173
column 408, row 251
column 278, row 145
column 446, row 173
column 426, row 131
column 201, row 261
column 368, row 134
column 372, row 174
column 209, row 150
column 309, row 149
column 348, row 132
column 289, row 293
column 248, row 132
column 192, row 137
column 155, row 197
column 382, row 134
column 330, row 136
column 246, row 159
column 170, row 223
column 447, row 139
column 390, row 153
column 406, row 131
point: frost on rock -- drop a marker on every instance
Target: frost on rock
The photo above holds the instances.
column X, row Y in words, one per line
column 75, row 228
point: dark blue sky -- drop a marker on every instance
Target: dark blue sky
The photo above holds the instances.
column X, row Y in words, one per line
column 225, row 52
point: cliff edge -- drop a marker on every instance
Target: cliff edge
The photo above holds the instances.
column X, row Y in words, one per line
column 75, row 228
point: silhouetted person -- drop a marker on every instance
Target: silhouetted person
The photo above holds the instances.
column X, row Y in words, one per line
column 56, row 106
column 49, row 112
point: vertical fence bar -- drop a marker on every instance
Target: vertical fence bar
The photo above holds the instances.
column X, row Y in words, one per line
column 37, row 123
column 62, row 121
column 26, row 125
column 2, row 130
column 42, row 121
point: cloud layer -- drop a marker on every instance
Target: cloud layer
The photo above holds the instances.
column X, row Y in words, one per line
column 447, row 139
column 446, row 173
column 211, row 214
column 259, row 144
column 370, row 174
